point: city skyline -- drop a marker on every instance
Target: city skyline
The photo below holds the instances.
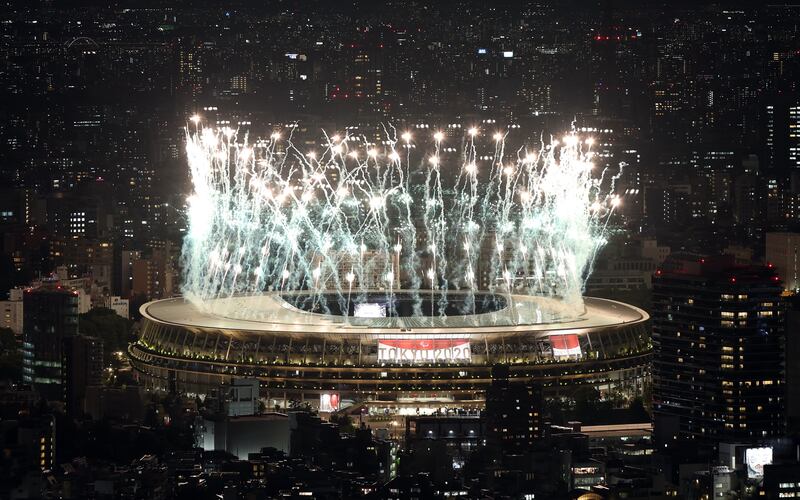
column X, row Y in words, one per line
column 286, row 249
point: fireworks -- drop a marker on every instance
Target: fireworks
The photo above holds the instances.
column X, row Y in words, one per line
column 355, row 217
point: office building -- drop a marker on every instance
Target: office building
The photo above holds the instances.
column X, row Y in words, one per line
column 718, row 333
column 781, row 481
column 50, row 316
column 82, row 366
column 513, row 412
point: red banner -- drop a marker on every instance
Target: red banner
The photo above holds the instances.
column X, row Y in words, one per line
column 565, row 345
column 424, row 350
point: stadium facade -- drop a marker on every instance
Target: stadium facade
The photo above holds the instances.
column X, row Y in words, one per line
column 398, row 359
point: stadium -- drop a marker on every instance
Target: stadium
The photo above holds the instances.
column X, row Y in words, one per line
column 382, row 352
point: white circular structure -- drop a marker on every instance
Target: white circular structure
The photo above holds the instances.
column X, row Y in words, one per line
column 300, row 354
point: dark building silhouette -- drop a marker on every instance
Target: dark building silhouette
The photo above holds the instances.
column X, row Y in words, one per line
column 36, row 440
column 50, row 316
column 792, row 368
column 780, row 481
column 718, row 333
column 82, row 366
column 59, row 362
column 461, row 434
column 513, row 413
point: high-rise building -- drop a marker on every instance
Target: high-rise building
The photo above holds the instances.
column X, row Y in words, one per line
column 50, row 316
column 718, row 333
column 783, row 252
column 152, row 277
column 792, row 369
column 770, row 154
column 128, row 258
column 780, row 481
column 782, row 134
column 794, row 136
column 513, row 412
column 82, row 366
column 37, row 437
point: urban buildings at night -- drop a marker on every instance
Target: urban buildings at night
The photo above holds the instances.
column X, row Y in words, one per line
column 461, row 372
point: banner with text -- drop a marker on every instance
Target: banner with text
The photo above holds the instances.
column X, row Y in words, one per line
column 424, row 350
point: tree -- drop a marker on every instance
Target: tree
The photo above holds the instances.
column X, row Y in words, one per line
column 343, row 421
column 588, row 405
column 105, row 324
column 638, row 410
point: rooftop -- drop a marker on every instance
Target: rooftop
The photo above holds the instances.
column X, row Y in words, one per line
column 269, row 312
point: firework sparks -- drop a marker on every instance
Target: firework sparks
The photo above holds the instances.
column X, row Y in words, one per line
column 355, row 217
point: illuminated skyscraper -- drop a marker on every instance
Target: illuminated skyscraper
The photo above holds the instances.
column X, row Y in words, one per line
column 794, row 136
column 782, row 135
column 718, row 333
